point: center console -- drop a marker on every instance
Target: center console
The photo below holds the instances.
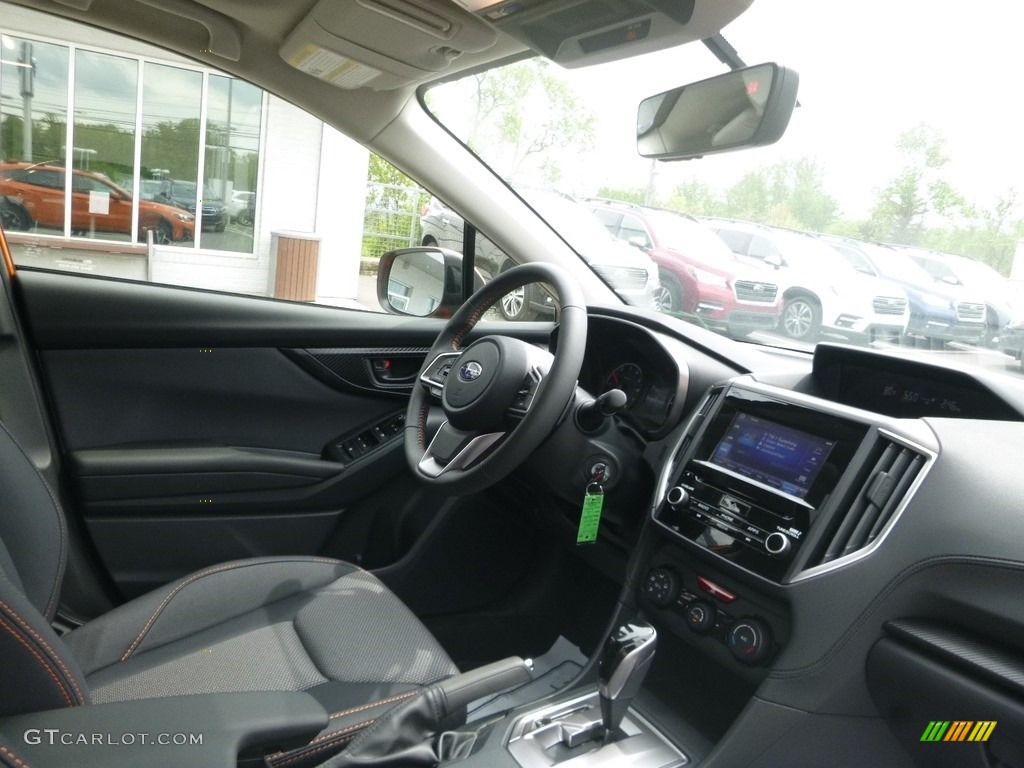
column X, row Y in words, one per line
column 767, row 488
column 758, row 474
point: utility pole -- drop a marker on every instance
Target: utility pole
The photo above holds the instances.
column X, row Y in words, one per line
column 27, row 81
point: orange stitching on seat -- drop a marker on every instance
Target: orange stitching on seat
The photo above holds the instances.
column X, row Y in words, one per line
column 55, row 657
column 17, row 760
column 49, row 670
column 304, row 752
column 149, row 623
column 380, row 703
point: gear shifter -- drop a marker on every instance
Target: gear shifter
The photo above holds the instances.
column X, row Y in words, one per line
column 624, row 663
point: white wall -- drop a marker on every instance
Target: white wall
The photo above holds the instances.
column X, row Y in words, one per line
column 340, row 207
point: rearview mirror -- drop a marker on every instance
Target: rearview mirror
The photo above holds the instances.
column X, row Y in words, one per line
column 747, row 108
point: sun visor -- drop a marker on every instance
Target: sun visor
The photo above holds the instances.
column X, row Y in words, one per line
column 412, row 41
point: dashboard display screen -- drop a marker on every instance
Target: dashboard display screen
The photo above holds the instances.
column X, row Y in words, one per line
column 780, row 457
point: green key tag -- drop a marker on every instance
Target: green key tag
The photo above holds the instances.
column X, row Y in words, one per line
column 590, row 517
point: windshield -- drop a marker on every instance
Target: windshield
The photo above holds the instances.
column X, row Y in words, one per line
column 897, row 265
column 681, row 234
column 894, row 149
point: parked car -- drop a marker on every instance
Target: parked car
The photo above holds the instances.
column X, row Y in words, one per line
column 1002, row 300
column 631, row 273
column 241, row 206
column 30, row 199
column 1011, row 341
column 939, row 312
column 183, row 195
column 821, row 292
column 698, row 273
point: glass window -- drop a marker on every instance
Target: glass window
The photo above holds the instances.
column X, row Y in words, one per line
column 33, row 130
column 632, row 227
column 171, row 105
column 762, row 247
column 738, row 242
column 609, row 218
column 105, row 93
column 234, row 116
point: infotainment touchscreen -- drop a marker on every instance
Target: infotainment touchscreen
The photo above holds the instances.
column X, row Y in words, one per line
column 777, row 456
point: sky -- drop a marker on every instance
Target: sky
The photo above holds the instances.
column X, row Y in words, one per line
column 868, row 71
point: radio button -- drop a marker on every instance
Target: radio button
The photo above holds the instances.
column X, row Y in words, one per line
column 677, row 496
column 778, row 544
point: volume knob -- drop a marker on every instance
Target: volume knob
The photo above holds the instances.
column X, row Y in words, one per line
column 677, row 495
column 777, row 544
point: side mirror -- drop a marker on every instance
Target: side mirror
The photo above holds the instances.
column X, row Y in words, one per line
column 951, row 280
column 639, row 242
column 421, row 282
column 773, row 260
column 746, row 108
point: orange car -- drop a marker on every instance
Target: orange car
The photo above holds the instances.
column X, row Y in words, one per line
column 34, row 194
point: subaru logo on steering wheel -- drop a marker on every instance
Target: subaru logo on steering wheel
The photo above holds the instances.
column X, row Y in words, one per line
column 470, row 371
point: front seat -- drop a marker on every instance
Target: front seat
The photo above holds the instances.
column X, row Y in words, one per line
column 267, row 624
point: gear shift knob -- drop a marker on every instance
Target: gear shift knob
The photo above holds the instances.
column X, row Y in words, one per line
column 624, row 663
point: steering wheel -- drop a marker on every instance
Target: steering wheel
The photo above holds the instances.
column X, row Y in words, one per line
column 501, row 396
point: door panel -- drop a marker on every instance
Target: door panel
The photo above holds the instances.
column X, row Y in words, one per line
column 199, row 427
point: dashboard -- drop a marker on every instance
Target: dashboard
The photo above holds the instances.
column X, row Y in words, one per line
column 643, row 364
column 839, row 534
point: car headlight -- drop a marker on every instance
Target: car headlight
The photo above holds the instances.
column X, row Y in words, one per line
column 709, row 278
column 936, row 301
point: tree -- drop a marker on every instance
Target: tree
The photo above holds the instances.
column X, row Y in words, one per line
column 697, row 198
column 789, row 193
column 918, row 191
column 520, row 113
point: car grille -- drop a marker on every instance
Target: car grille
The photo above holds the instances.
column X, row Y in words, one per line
column 748, row 290
column 623, row 277
column 889, row 305
column 970, row 311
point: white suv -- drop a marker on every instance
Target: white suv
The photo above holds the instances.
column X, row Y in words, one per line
column 822, row 293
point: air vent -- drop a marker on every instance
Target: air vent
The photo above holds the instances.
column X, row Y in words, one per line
column 883, row 492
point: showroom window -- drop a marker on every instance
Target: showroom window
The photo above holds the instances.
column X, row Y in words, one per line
column 139, row 136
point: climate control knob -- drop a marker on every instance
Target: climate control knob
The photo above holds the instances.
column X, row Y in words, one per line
column 661, row 586
column 700, row 616
column 750, row 640
column 677, row 496
column 778, row 544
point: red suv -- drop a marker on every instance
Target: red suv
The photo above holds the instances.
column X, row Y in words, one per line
column 34, row 194
column 699, row 275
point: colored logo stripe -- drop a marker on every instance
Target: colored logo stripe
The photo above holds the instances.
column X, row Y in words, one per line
column 982, row 730
column 935, row 731
column 958, row 730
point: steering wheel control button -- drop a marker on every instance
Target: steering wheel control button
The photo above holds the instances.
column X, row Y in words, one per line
column 701, row 616
column 778, row 544
column 750, row 640
column 661, row 586
column 677, row 496
column 717, row 592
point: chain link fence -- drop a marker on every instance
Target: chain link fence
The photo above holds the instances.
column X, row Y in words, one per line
column 391, row 219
